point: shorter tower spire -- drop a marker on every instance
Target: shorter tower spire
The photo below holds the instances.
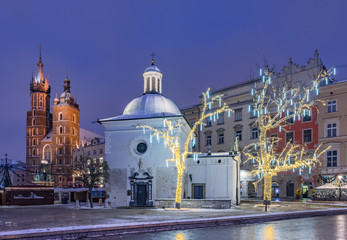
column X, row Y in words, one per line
column 67, row 83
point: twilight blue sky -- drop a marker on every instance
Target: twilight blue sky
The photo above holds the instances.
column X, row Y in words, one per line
column 106, row 45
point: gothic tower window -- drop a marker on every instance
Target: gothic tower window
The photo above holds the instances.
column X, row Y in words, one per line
column 74, row 118
column 60, row 130
column 33, row 121
column 35, row 100
column 34, row 142
column 60, row 116
column 47, row 153
column 34, row 152
column 73, row 131
column 41, row 101
column 34, row 112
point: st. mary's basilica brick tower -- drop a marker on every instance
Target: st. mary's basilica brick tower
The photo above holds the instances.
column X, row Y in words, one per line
column 51, row 137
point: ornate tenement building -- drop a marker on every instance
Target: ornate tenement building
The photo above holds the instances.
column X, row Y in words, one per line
column 219, row 134
column 51, row 137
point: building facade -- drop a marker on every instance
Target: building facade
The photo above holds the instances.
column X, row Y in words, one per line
column 332, row 120
column 219, row 133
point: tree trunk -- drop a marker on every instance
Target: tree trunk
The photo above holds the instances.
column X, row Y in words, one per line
column 267, row 187
column 178, row 190
column 91, row 197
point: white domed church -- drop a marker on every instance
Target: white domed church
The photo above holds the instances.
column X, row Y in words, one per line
column 139, row 172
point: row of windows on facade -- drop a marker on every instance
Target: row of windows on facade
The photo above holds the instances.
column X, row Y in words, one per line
column 60, row 161
column 101, row 151
column 238, row 117
column 307, row 136
column 36, row 152
column 35, row 141
column 60, row 130
column 34, row 103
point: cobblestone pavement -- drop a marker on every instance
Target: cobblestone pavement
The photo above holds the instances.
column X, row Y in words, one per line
column 49, row 216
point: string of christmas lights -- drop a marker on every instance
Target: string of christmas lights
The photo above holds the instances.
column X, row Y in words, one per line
column 172, row 139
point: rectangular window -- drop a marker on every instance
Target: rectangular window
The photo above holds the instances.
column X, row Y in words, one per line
column 238, row 135
column 88, row 153
column 306, row 117
column 220, row 119
column 273, row 139
column 94, row 152
column 101, row 151
column 238, row 114
column 290, row 137
column 332, row 158
column 252, row 112
column 255, row 132
column 220, row 138
column 307, row 135
column 331, row 106
column 290, row 120
column 208, row 140
column 208, row 122
column 331, row 130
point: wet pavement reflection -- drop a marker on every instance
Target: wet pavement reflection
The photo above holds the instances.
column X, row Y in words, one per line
column 322, row 228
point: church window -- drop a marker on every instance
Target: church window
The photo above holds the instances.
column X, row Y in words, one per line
column 34, row 121
column 153, row 84
column 35, row 100
column 33, row 131
column 34, row 162
column 47, row 153
column 41, row 101
column 60, row 116
column 34, row 152
column 141, row 148
column 74, row 118
column 73, row 131
column 60, row 129
column 147, row 85
column 34, row 142
column 34, row 112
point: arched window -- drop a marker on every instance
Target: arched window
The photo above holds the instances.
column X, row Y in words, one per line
column 34, row 142
column 34, row 112
column 60, row 130
column 74, row 118
column 33, row 131
column 153, row 84
column 34, row 152
column 33, row 121
column 147, row 84
column 47, row 153
column 73, row 131
column 60, row 117
column 41, row 101
column 158, row 85
column 34, row 100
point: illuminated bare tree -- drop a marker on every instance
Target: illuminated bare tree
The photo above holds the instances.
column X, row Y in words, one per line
column 275, row 107
column 170, row 134
column 92, row 172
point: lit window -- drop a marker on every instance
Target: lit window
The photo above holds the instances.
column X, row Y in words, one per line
column 332, row 158
column 220, row 138
column 307, row 135
column 331, row 130
column 331, row 106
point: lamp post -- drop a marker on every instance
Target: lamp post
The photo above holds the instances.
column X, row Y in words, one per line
column 340, row 183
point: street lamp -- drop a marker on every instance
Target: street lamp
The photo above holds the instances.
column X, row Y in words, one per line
column 340, row 183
